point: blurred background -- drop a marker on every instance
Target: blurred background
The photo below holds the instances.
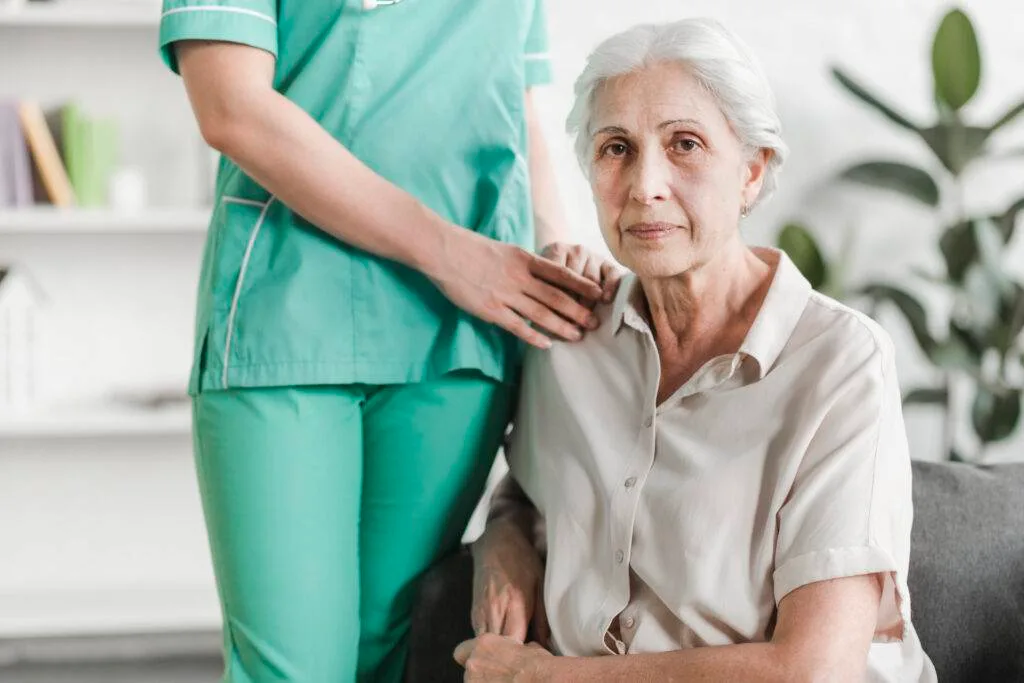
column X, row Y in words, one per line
column 900, row 198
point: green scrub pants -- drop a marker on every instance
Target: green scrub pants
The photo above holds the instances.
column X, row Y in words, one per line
column 324, row 506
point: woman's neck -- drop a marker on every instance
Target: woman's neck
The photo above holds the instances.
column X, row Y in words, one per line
column 707, row 310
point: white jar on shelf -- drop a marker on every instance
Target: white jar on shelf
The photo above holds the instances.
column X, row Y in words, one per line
column 20, row 300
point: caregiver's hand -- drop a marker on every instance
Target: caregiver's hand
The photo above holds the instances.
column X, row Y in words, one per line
column 498, row 659
column 508, row 584
column 594, row 267
column 508, row 286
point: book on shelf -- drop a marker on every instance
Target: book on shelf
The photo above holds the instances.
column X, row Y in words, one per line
column 15, row 166
column 48, row 162
column 60, row 156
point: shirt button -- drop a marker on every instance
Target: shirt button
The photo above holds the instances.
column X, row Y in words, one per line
column 629, row 622
column 631, row 482
column 619, row 556
column 649, row 421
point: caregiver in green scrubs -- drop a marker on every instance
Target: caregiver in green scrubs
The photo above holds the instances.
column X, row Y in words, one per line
column 366, row 270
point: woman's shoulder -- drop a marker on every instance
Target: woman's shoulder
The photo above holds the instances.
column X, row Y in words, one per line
column 835, row 334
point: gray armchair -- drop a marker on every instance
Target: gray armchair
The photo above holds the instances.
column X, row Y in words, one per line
column 966, row 581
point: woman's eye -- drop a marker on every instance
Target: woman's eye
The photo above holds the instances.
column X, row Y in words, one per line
column 686, row 144
column 614, row 149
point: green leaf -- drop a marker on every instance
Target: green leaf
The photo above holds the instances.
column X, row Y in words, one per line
column 863, row 95
column 896, row 176
column 968, row 338
column 955, row 144
column 956, row 61
column 959, row 250
column 798, row 242
column 1008, row 220
column 959, row 245
column 911, row 309
column 1009, row 323
column 983, row 291
column 952, row 354
column 937, row 396
column 995, row 415
column 989, row 239
column 1010, row 115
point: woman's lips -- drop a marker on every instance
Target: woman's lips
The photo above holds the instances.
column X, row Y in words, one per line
column 652, row 231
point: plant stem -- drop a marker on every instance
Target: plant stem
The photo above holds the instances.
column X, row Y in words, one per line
column 947, row 425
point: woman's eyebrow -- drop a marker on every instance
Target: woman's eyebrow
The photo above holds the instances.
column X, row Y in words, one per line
column 690, row 122
column 611, row 130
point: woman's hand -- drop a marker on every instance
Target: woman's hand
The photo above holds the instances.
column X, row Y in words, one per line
column 508, row 584
column 499, row 659
column 508, row 286
column 577, row 258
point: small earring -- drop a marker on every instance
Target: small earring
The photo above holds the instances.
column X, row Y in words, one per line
column 744, row 212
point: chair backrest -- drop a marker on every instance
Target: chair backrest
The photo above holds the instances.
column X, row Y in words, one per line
column 967, row 570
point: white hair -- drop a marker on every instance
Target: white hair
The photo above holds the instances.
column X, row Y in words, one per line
column 719, row 61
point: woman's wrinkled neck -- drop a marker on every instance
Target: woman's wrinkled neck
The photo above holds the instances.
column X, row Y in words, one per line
column 700, row 306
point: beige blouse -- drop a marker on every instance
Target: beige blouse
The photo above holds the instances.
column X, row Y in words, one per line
column 684, row 524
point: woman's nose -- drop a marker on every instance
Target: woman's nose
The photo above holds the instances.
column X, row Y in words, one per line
column 650, row 182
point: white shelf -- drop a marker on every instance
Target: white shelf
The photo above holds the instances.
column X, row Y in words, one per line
column 95, row 611
column 100, row 221
column 113, row 420
column 82, row 14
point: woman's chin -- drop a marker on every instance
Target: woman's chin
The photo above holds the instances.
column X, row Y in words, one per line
column 664, row 262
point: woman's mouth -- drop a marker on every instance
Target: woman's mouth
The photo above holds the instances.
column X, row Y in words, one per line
column 651, row 231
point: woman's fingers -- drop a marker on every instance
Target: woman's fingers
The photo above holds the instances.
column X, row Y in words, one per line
column 541, row 628
column 592, row 270
column 497, row 606
column 464, row 651
column 478, row 618
column 516, row 622
column 562, row 277
column 611, row 278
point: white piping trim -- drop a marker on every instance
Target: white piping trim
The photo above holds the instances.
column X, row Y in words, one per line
column 218, row 8
column 532, row 56
column 228, row 199
column 238, row 288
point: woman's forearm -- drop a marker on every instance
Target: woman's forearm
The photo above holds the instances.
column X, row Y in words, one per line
column 511, row 508
column 754, row 662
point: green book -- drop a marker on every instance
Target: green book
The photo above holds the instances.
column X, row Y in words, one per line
column 91, row 152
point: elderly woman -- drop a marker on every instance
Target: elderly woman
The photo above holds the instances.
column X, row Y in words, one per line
column 722, row 467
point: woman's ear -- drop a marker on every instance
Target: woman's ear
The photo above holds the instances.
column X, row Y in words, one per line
column 757, row 167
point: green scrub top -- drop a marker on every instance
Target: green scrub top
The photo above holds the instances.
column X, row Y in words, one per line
column 427, row 93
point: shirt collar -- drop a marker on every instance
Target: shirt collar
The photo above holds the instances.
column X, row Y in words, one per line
column 773, row 325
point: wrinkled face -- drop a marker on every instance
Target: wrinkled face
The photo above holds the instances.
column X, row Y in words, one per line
column 669, row 176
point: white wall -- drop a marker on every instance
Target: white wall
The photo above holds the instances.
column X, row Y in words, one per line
column 109, row 515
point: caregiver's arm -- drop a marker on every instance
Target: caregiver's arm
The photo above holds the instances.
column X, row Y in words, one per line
column 284, row 149
column 823, row 633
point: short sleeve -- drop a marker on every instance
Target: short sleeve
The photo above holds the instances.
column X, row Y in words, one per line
column 849, row 511
column 536, row 56
column 249, row 22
